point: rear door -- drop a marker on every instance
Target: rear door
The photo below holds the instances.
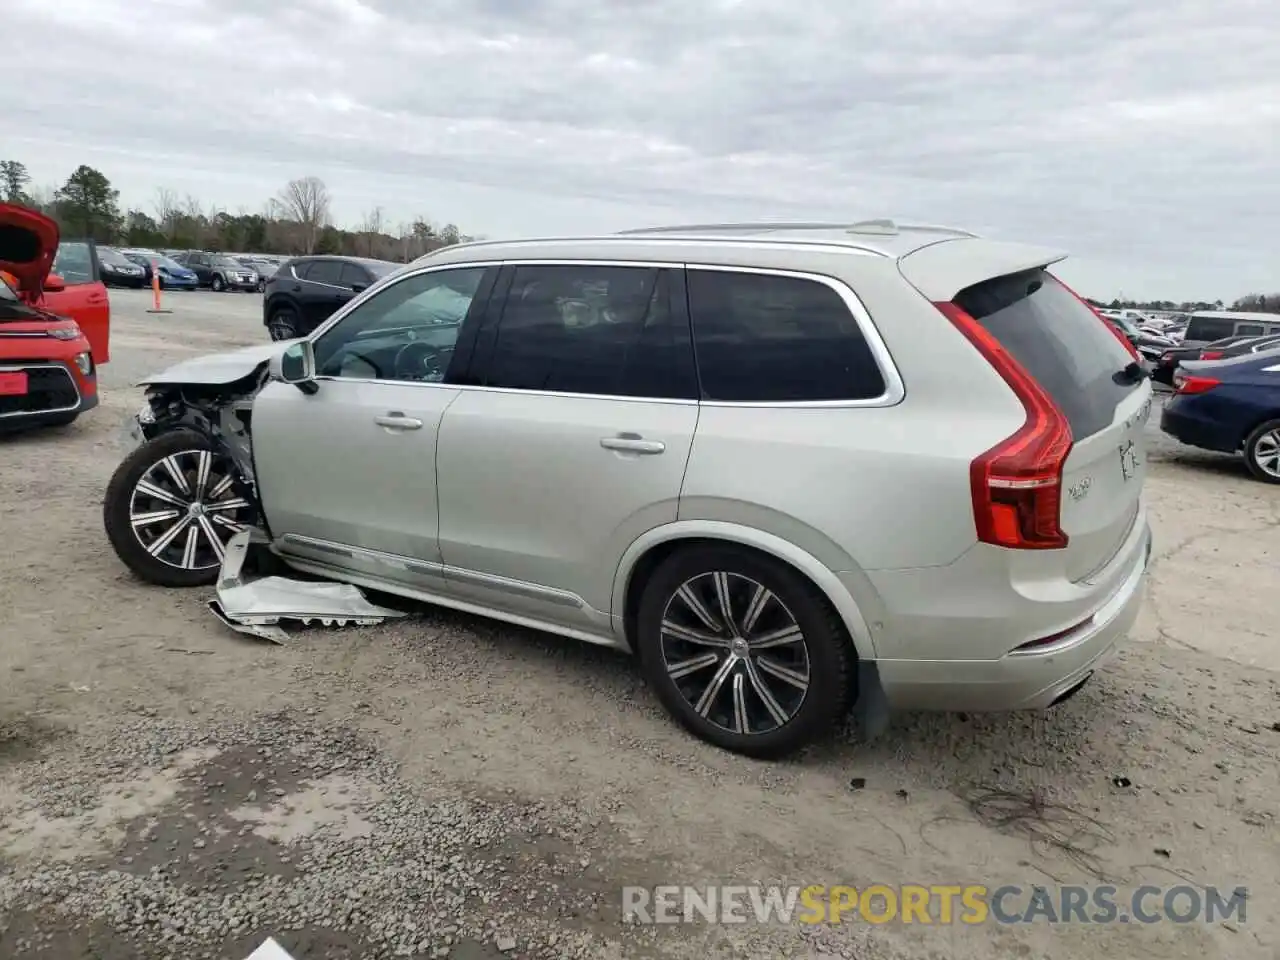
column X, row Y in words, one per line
column 572, row 439
column 322, row 291
column 1063, row 344
column 85, row 298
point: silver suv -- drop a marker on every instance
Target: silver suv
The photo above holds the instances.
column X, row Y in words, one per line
column 790, row 466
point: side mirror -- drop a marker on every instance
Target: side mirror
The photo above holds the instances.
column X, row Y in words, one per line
column 54, row 284
column 297, row 365
column 359, row 287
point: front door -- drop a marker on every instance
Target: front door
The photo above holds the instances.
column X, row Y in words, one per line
column 85, row 297
column 572, row 441
column 347, row 475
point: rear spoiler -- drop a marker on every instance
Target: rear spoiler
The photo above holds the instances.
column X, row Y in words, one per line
column 941, row 270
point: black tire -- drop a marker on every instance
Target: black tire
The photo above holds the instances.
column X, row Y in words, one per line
column 127, row 540
column 1256, row 449
column 283, row 324
column 217, row 284
column 828, row 657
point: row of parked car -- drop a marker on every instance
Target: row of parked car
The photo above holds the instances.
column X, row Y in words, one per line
column 185, row 269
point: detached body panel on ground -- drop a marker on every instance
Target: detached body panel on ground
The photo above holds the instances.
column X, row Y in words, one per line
column 736, row 451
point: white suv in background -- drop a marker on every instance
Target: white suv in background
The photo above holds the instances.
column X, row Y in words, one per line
column 789, row 466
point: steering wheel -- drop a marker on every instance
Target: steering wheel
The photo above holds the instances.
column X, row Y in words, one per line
column 418, row 360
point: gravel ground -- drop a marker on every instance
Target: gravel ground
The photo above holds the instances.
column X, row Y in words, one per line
column 450, row 787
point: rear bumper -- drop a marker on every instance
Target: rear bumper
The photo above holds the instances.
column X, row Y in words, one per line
column 1028, row 680
column 1180, row 421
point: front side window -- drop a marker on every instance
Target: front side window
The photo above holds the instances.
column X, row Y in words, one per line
column 588, row 329
column 1250, row 329
column 405, row 332
column 762, row 338
column 74, row 262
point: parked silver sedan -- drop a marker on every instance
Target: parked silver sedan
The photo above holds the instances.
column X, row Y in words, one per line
column 790, row 468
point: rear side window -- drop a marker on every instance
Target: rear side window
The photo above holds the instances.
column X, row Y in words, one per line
column 762, row 338
column 1058, row 340
column 605, row 330
column 352, row 276
column 325, row 271
column 1250, row 329
column 1209, row 328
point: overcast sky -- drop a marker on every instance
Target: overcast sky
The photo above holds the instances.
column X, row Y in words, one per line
column 1141, row 136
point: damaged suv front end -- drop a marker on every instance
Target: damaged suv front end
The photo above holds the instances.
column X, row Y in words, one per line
column 183, row 510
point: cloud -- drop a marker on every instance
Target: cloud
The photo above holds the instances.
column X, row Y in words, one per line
column 1142, row 137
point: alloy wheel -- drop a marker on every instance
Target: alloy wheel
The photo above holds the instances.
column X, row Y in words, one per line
column 185, row 508
column 1266, row 453
column 735, row 652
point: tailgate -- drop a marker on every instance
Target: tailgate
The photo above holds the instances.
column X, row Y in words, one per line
column 1061, row 342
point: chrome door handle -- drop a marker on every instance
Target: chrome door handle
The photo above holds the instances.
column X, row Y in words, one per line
column 398, row 421
column 631, row 443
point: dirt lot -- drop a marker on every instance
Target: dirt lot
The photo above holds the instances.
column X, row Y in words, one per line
column 451, row 787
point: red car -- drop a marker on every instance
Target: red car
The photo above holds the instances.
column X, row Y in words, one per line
column 54, row 332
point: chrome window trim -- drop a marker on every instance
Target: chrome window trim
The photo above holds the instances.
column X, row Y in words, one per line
column 15, row 367
column 894, row 392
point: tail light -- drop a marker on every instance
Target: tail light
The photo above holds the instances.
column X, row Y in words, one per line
column 1210, row 354
column 1017, row 484
column 1189, row 384
column 1115, row 331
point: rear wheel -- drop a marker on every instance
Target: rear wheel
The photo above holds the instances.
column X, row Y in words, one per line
column 171, row 507
column 217, row 284
column 743, row 651
column 1262, row 452
column 283, row 324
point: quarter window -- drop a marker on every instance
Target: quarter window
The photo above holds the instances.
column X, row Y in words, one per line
column 604, row 330
column 405, row 332
column 762, row 338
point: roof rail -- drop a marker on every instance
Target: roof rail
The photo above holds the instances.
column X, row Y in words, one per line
column 861, row 227
column 748, row 227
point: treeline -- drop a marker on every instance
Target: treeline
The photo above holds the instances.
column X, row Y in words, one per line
column 1252, row 302
column 295, row 221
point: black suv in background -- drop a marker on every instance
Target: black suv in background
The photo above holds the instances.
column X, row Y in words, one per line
column 306, row 291
column 218, row 272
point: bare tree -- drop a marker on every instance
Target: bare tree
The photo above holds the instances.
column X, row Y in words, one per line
column 306, row 202
column 167, row 211
column 371, row 228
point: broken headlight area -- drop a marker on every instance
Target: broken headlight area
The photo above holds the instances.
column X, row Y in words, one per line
column 223, row 413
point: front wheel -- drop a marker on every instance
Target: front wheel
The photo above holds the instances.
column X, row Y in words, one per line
column 1262, row 452
column 283, row 324
column 217, row 284
column 171, row 507
column 743, row 651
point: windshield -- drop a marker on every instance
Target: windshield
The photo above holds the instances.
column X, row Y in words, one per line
column 1125, row 324
column 114, row 257
column 228, row 262
column 378, row 268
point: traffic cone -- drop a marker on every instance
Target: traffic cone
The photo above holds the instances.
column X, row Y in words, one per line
column 155, row 289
